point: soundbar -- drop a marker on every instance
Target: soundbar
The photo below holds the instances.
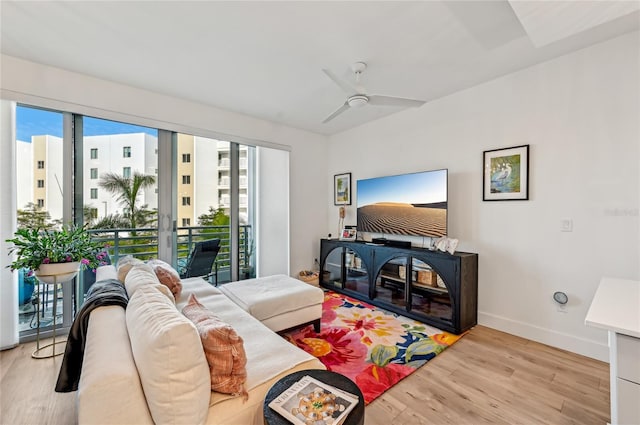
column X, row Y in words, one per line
column 391, row 242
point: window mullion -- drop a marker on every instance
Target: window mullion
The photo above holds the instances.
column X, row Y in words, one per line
column 166, row 196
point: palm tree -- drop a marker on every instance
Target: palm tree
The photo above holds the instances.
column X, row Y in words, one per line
column 112, row 221
column 126, row 190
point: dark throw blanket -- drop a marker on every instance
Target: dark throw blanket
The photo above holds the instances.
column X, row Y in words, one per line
column 102, row 293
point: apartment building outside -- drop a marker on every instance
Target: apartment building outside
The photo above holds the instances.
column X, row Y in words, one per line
column 46, row 182
column 202, row 173
column 24, row 171
column 122, row 154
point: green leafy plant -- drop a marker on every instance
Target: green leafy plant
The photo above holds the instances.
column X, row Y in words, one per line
column 34, row 247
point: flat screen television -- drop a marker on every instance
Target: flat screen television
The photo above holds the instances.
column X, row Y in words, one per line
column 407, row 204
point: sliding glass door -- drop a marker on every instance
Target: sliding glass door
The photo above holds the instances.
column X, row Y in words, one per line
column 40, row 182
column 148, row 193
column 116, row 190
column 214, row 192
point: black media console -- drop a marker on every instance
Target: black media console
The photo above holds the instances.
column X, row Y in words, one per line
column 430, row 286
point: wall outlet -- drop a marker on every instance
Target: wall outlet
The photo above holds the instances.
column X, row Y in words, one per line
column 566, row 225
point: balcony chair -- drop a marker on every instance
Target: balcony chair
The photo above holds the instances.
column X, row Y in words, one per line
column 201, row 260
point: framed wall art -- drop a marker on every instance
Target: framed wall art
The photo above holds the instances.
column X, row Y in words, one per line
column 342, row 189
column 506, row 174
column 348, row 233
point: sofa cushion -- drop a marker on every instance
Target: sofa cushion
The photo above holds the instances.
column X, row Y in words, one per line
column 109, row 376
column 143, row 275
column 271, row 296
column 169, row 357
column 223, row 349
column 167, row 275
column 125, row 264
column 268, row 354
column 107, row 272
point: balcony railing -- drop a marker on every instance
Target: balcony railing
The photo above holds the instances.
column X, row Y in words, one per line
column 142, row 243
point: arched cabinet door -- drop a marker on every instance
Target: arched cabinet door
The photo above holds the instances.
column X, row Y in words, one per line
column 345, row 268
column 356, row 276
column 415, row 285
column 332, row 268
column 391, row 281
column 429, row 292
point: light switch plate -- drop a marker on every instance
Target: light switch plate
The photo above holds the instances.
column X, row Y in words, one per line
column 566, row 225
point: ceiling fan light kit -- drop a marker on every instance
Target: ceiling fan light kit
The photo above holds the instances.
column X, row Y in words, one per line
column 357, row 100
column 358, row 96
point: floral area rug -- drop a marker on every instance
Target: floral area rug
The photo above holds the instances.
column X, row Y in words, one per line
column 373, row 347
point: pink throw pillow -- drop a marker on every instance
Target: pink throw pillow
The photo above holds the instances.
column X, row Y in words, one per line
column 168, row 276
column 223, row 348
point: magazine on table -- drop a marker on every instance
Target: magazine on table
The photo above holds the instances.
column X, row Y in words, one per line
column 310, row 401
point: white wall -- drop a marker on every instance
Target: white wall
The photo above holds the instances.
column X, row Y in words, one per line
column 580, row 115
column 46, row 86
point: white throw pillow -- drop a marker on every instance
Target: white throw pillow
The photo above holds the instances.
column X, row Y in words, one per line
column 143, row 275
column 125, row 264
column 169, row 357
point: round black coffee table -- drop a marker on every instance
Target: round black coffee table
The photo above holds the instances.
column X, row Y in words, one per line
column 356, row 416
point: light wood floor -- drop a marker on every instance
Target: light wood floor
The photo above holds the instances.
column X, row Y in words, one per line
column 493, row 377
column 486, row 377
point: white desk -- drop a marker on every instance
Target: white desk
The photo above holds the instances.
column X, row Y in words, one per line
column 616, row 308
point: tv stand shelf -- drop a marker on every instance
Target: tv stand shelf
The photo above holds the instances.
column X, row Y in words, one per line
column 430, row 286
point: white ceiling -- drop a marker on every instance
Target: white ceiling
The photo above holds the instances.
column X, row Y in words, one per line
column 265, row 59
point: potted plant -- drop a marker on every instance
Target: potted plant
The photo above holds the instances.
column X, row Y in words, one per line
column 60, row 253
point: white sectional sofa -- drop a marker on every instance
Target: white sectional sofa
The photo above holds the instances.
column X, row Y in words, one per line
column 110, row 389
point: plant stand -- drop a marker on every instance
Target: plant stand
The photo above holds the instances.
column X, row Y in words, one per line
column 49, row 279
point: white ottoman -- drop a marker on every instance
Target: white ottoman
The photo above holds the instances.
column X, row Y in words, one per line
column 280, row 302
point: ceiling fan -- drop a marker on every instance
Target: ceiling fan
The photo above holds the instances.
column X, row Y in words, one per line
column 358, row 96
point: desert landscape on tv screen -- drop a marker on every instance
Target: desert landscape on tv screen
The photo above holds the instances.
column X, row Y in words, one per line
column 408, row 204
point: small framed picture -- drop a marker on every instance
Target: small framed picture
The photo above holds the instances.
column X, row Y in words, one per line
column 506, row 174
column 348, row 234
column 342, row 189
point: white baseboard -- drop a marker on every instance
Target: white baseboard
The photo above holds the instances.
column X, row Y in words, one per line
column 8, row 347
column 550, row 337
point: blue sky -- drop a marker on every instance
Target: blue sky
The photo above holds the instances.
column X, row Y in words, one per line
column 37, row 122
column 416, row 188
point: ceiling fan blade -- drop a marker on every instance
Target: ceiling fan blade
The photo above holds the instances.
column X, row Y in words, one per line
column 394, row 101
column 348, row 88
column 336, row 112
